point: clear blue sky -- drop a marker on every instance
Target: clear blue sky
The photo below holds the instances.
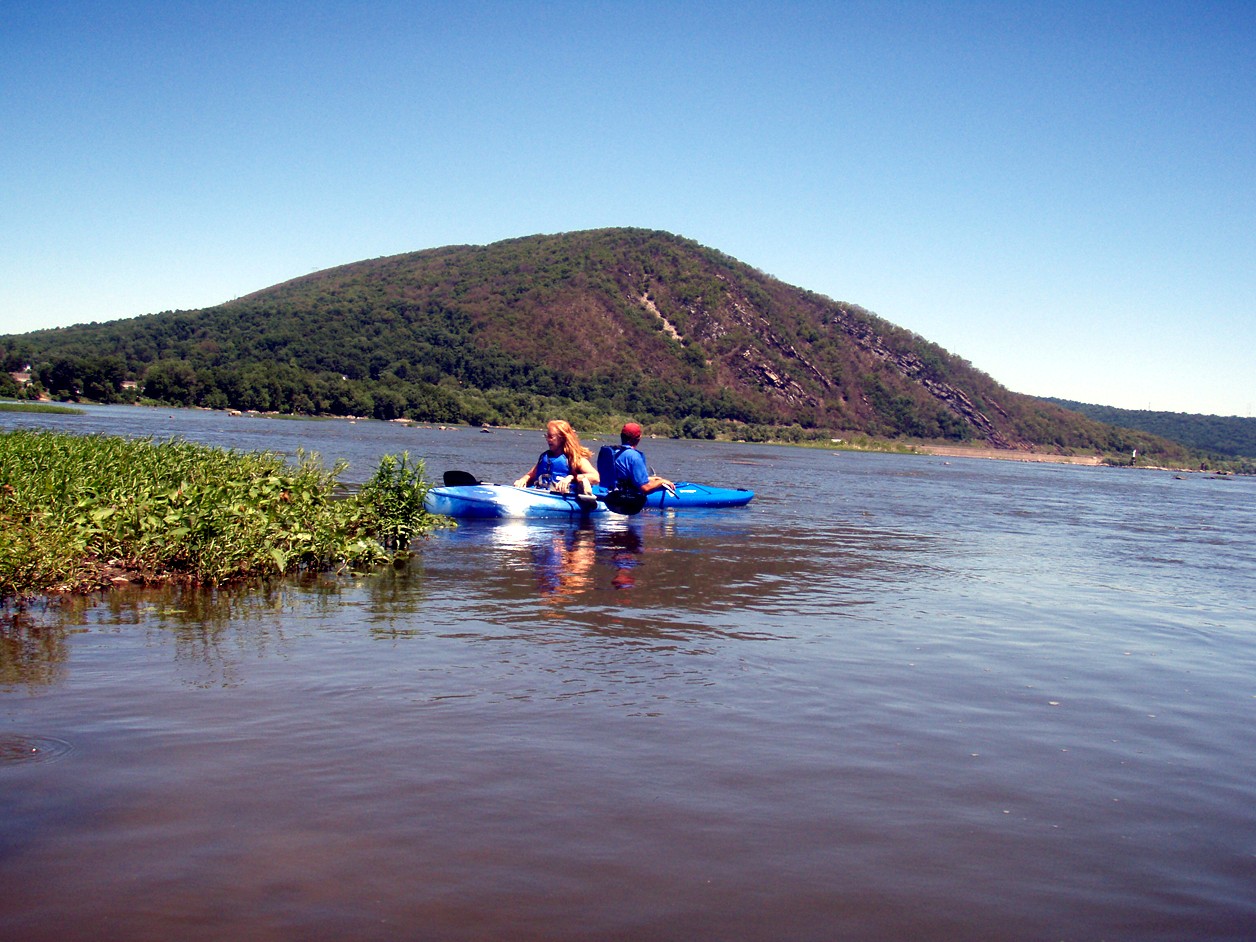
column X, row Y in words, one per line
column 1062, row 193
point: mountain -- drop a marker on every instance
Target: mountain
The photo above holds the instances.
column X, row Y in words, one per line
column 1227, row 435
column 597, row 324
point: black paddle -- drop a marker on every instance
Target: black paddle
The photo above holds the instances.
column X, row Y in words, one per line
column 625, row 503
column 460, row 479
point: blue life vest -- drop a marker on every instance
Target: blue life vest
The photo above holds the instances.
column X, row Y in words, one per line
column 606, row 456
column 550, row 468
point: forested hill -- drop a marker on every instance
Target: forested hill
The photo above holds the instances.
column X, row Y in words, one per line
column 1229, row 435
column 597, row 324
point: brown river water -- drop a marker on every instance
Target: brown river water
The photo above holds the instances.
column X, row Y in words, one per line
column 893, row 698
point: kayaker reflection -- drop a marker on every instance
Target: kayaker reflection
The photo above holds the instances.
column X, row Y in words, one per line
column 630, row 471
column 567, row 561
column 566, row 466
column 564, row 562
column 625, row 548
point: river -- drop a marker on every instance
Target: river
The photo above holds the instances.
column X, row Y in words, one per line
column 895, row 697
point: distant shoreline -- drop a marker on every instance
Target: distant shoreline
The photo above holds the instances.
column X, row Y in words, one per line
column 1004, row 454
column 872, row 446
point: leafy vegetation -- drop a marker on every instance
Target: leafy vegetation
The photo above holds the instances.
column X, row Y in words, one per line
column 43, row 407
column 79, row 511
column 592, row 325
column 393, row 501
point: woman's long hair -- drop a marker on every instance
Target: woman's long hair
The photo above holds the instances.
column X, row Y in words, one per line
column 571, row 442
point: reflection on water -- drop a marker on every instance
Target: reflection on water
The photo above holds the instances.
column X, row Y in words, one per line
column 15, row 748
column 209, row 633
column 624, row 547
column 564, row 560
column 394, row 598
column 32, row 652
column 573, row 558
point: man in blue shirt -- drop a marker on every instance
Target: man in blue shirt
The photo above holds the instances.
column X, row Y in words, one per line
column 630, row 465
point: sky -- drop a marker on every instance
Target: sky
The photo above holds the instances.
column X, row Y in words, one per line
column 1062, row 193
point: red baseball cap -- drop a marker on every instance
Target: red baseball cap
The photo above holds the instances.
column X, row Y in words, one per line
column 631, row 430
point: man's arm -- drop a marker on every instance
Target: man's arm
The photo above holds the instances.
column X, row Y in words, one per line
column 655, row 482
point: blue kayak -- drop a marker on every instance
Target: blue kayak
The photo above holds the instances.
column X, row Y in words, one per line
column 498, row 501
column 694, row 495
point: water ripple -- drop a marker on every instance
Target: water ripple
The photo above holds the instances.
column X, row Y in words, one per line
column 16, row 748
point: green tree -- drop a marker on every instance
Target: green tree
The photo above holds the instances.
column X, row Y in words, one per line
column 171, row 381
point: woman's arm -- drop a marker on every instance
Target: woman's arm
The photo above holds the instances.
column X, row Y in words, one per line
column 527, row 479
column 587, row 471
column 581, row 481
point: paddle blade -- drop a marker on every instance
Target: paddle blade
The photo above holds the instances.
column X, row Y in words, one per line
column 460, row 479
column 625, row 503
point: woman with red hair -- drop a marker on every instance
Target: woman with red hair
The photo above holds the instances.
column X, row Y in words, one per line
column 565, row 466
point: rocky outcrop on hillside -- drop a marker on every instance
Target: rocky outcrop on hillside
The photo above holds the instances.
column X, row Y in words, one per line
column 911, row 367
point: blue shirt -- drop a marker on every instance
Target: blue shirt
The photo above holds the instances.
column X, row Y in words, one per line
column 630, row 466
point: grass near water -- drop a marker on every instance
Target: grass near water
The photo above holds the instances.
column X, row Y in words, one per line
column 43, row 407
column 81, row 512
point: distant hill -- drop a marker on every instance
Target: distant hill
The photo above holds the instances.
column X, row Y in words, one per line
column 1215, row 434
column 593, row 325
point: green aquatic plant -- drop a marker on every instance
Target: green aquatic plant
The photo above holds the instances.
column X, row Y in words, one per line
column 393, row 498
column 79, row 511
